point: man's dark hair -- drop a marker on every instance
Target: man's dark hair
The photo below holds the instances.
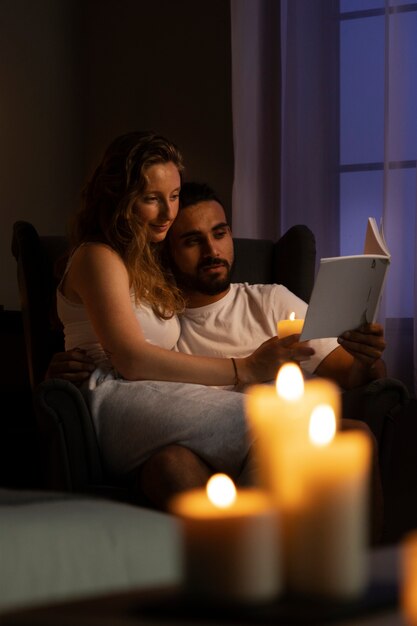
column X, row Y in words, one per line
column 192, row 193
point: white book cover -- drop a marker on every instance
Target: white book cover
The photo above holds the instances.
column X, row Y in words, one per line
column 348, row 289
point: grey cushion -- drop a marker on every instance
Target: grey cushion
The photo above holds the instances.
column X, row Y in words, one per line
column 57, row 547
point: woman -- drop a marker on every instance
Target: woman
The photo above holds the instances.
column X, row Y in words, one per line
column 116, row 303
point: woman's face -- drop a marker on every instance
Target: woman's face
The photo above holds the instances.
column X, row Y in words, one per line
column 157, row 205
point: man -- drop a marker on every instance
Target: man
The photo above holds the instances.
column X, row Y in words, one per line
column 228, row 319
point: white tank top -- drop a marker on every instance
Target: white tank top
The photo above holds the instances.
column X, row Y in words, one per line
column 79, row 332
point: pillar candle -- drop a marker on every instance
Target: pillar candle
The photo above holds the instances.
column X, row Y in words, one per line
column 290, row 326
column 328, row 528
column 231, row 552
column 280, row 414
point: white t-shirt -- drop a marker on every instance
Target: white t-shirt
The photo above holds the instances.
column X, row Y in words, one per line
column 246, row 317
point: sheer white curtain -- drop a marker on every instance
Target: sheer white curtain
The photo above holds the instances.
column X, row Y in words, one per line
column 285, row 130
column 399, row 305
column 310, row 120
column 286, row 142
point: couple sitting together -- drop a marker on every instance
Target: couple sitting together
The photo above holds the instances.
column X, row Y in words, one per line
column 159, row 340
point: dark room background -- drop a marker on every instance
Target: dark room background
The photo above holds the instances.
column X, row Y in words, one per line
column 76, row 73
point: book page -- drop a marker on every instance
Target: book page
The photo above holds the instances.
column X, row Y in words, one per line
column 374, row 239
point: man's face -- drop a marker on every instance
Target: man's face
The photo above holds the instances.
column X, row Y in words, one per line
column 201, row 249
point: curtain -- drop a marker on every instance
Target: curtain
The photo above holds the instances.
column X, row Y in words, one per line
column 399, row 306
column 285, row 129
column 310, row 120
column 287, row 147
column 256, row 102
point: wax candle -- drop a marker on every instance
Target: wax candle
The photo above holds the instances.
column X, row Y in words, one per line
column 280, row 414
column 408, row 577
column 230, row 547
column 328, row 527
column 290, row 326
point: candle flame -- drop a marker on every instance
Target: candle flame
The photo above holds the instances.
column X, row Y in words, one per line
column 290, row 382
column 221, row 491
column 322, row 427
column 292, row 316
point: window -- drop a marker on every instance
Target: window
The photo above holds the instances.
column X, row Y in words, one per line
column 378, row 125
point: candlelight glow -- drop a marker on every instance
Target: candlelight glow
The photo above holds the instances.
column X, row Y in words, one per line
column 409, row 577
column 292, row 316
column 221, row 491
column 290, row 382
column 322, row 427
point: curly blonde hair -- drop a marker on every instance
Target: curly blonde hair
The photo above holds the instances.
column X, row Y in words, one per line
column 107, row 215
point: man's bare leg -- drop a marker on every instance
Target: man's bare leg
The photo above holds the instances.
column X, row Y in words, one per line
column 168, row 472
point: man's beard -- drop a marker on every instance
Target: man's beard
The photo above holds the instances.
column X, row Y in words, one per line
column 208, row 284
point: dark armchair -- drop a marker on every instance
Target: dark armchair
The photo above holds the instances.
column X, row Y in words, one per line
column 69, row 447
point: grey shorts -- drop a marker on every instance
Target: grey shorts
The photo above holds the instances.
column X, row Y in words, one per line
column 133, row 419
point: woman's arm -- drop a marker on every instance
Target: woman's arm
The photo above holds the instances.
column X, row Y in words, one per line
column 98, row 278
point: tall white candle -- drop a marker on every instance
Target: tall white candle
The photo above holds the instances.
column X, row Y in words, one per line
column 231, row 549
column 280, row 414
column 327, row 554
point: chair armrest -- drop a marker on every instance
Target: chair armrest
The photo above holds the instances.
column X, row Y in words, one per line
column 65, row 424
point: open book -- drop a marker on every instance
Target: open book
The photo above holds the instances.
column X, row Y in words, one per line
column 348, row 289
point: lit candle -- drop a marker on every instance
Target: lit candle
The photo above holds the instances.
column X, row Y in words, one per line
column 408, row 577
column 231, row 542
column 291, row 326
column 280, row 414
column 328, row 529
